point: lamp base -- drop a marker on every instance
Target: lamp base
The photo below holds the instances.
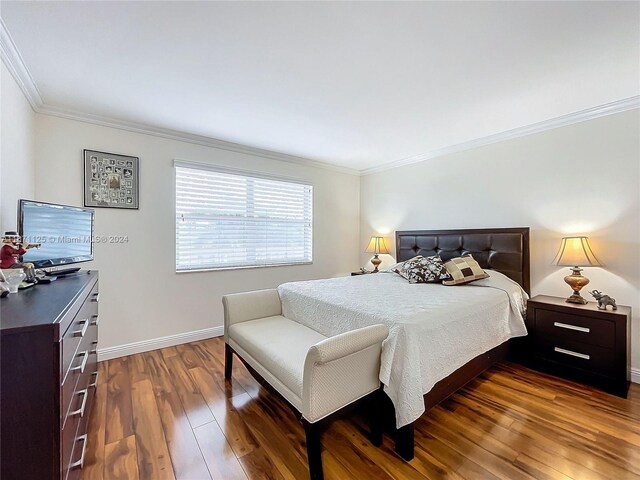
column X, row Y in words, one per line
column 376, row 263
column 576, row 281
column 576, row 298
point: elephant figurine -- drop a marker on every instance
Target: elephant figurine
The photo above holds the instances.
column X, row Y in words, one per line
column 604, row 300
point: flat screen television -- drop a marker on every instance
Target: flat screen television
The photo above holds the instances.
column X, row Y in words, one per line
column 64, row 232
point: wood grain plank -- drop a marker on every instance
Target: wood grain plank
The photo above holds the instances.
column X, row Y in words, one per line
column 154, row 462
column 119, row 415
column 235, row 430
column 271, row 437
column 258, row 465
column 491, row 455
column 120, row 459
column 431, row 451
column 222, row 462
column 555, row 442
column 94, row 458
column 192, row 400
column 211, row 352
column 538, row 469
column 189, row 356
column 187, row 461
column 384, row 457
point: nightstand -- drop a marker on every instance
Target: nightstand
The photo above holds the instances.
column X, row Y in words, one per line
column 353, row 274
column 580, row 342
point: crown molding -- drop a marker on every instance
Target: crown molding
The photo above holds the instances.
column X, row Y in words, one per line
column 611, row 108
column 189, row 138
column 15, row 64
column 588, row 114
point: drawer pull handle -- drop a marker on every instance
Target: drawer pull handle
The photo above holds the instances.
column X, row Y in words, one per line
column 94, row 350
column 571, row 327
column 95, row 382
column 85, row 357
column 95, row 320
column 572, row 353
column 96, row 297
column 80, row 411
column 80, row 463
column 80, row 333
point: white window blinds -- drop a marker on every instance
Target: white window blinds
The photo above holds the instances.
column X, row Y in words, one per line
column 232, row 220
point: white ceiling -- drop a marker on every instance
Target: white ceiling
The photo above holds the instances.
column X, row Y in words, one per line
column 353, row 84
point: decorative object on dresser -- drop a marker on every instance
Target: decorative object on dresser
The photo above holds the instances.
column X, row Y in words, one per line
column 604, row 300
column 4, row 286
column 575, row 252
column 376, row 246
column 362, row 271
column 582, row 342
column 111, row 180
column 48, row 348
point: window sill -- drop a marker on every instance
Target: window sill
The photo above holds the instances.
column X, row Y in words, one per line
column 247, row 267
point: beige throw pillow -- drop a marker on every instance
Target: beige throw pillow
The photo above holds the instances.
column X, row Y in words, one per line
column 463, row 270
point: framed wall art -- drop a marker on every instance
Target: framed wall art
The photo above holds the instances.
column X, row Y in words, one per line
column 111, row 180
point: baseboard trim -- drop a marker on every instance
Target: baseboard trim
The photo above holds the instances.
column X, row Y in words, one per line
column 635, row 375
column 156, row 343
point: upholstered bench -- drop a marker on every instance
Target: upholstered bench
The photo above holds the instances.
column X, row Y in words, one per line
column 316, row 375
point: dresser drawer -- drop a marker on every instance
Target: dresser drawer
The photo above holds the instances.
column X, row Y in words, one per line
column 86, row 317
column 591, row 358
column 74, row 445
column 67, row 443
column 83, row 366
column 575, row 328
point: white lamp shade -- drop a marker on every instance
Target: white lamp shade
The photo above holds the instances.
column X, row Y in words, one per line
column 576, row 252
column 377, row 245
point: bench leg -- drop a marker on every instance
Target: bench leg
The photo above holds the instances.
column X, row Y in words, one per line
column 375, row 417
column 404, row 442
column 228, row 361
column 314, row 455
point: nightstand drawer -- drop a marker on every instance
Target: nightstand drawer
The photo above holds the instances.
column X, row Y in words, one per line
column 587, row 357
column 564, row 326
column 578, row 341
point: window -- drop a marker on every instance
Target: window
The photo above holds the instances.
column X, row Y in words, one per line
column 228, row 219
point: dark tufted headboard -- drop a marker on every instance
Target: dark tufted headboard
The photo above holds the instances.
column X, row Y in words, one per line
column 503, row 249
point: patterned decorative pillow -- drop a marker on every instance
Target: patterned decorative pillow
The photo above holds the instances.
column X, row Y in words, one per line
column 424, row 270
column 463, row 270
column 399, row 267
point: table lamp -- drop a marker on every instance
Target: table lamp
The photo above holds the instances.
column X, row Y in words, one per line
column 575, row 252
column 376, row 246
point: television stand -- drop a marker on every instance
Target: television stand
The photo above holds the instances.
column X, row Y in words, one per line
column 60, row 273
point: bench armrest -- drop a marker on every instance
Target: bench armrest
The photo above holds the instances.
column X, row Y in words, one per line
column 340, row 370
column 241, row 307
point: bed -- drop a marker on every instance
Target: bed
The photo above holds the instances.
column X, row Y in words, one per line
column 440, row 337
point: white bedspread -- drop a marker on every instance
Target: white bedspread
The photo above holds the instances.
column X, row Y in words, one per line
column 434, row 329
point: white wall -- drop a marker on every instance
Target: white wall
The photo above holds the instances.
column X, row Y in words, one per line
column 17, row 160
column 582, row 178
column 141, row 295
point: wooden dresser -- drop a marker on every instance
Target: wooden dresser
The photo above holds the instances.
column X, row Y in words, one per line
column 48, row 341
column 580, row 342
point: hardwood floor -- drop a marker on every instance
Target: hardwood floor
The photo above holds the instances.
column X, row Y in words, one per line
column 170, row 414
